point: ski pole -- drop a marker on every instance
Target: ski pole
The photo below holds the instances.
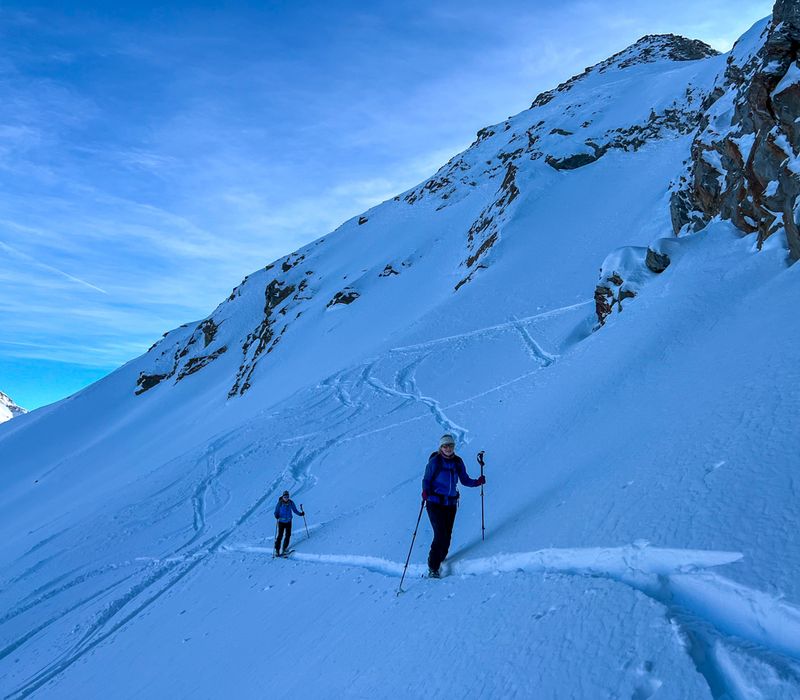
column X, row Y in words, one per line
column 274, row 542
column 304, row 520
column 483, row 526
column 408, row 558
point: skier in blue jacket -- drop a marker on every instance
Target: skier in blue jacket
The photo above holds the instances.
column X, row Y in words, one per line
column 283, row 514
column 440, row 493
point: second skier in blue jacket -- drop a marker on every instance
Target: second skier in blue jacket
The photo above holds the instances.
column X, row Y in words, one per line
column 283, row 514
column 440, row 493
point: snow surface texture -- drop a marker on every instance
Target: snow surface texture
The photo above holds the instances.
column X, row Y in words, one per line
column 641, row 498
column 8, row 409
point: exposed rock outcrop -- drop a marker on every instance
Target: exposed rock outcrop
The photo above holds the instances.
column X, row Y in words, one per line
column 181, row 358
column 265, row 337
column 485, row 230
column 623, row 274
column 345, row 296
column 745, row 162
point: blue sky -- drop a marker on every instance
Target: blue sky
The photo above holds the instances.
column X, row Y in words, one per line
column 151, row 157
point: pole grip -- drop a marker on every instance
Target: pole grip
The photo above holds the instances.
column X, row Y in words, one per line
column 483, row 519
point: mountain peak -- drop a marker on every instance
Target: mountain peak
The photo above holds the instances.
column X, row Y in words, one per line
column 651, row 48
column 8, row 409
column 657, row 47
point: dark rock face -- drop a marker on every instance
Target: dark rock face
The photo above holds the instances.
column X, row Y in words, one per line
column 656, row 262
column 177, row 359
column 264, row 337
column 346, row 296
column 607, row 296
column 197, row 363
column 485, row 230
column 748, row 172
column 186, row 351
column 209, row 329
column 292, row 260
column 654, row 47
column 572, row 162
column 603, row 303
column 623, row 275
column 148, row 381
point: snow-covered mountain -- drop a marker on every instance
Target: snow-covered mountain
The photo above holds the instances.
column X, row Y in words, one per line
column 641, row 501
column 8, row 409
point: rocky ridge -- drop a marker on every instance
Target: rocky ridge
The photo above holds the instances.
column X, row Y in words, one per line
column 744, row 164
column 604, row 109
column 745, row 159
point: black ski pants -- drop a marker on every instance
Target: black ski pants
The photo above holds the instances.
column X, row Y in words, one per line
column 442, row 519
column 285, row 531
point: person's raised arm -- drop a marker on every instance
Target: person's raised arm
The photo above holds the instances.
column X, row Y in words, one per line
column 465, row 478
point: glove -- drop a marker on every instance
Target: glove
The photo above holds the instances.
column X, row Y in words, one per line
column 424, row 495
column 481, row 480
column 303, row 514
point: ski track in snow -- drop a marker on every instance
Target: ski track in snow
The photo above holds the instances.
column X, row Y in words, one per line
column 669, row 576
column 163, row 573
column 536, row 351
column 406, row 388
column 489, row 330
column 676, row 578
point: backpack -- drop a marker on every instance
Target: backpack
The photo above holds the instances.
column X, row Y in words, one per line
column 439, row 466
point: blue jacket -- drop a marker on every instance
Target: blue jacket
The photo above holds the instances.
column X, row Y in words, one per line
column 283, row 511
column 442, row 476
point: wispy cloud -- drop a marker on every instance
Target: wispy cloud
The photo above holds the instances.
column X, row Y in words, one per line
column 33, row 262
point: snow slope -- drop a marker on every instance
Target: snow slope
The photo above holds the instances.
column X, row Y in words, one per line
column 8, row 409
column 641, row 496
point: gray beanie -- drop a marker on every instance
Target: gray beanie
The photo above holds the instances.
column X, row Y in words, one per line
column 447, row 439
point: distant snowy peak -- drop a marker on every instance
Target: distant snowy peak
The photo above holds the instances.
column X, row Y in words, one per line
column 8, row 409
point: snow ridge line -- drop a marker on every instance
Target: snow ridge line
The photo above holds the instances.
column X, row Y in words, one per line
column 637, row 558
column 676, row 578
